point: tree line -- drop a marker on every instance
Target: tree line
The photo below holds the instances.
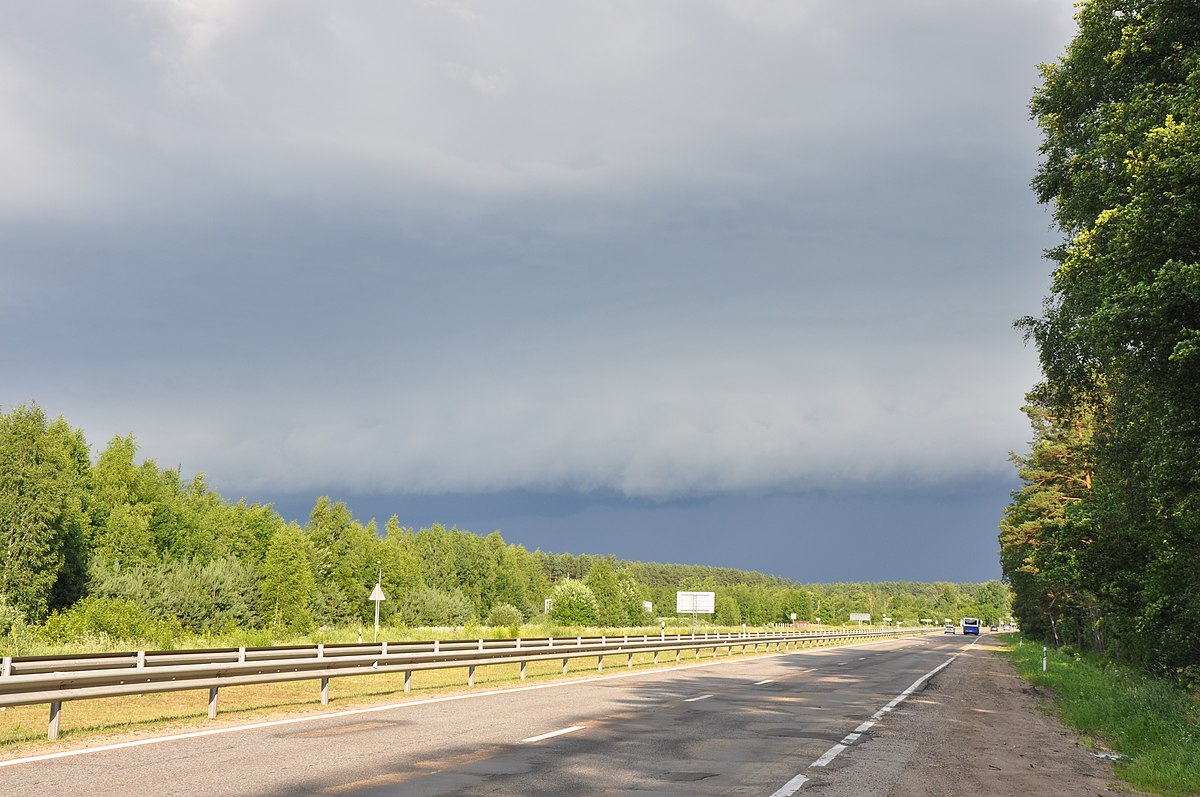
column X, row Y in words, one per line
column 1101, row 543
column 130, row 548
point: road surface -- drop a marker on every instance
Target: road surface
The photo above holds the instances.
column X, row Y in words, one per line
column 754, row 726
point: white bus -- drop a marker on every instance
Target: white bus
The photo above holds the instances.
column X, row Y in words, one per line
column 970, row 625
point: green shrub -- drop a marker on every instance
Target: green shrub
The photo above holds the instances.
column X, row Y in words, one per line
column 573, row 603
column 504, row 614
column 212, row 596
column 434, row 607
column 10, row 617
column 108, row 621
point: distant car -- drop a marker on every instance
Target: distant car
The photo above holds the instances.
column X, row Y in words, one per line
column 995, row 628
column 948, row 629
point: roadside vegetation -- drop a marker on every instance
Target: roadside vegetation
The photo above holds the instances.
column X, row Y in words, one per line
column 1151, row 724
column 1101, row 543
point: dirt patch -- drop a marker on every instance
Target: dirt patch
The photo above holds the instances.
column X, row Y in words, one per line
column 981, row 730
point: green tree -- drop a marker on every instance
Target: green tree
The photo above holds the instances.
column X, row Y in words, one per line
column 1119, row 336
column 343, row 553
column 287, row 583
column 41, row 509
column 1040, row 551
column 633, row 597
column 728, row 611
column 572, row 603
column 602, row 581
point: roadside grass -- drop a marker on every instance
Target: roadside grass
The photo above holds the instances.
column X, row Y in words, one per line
column 1153, row 724
column 104, row 720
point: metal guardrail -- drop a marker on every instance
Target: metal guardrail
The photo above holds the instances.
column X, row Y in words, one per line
column 31, row 680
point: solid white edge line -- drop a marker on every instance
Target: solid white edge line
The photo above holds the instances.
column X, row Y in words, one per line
column 552, row 734
column 767, row 681
column 791, row 787
column 833, row 752
column 829, row 755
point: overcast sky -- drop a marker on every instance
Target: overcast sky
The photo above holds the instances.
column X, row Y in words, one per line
column 717, row 281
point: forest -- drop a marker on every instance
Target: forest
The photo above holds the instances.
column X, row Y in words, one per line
column 100, row 549
column 1101, row 544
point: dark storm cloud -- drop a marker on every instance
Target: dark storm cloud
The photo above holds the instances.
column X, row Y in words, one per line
column 674, row 249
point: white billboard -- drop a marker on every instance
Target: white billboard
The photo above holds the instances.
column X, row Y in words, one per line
column 861, row 617
column 695, row 602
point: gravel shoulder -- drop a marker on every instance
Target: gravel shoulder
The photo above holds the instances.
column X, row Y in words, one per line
column 976, row 729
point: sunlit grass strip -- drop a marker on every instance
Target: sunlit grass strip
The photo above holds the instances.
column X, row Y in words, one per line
column 23, row 728
column 1154, row 724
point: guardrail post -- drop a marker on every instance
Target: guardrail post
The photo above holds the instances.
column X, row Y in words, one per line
column 408, row 680
column 550, row 643
column 242, row 653
column 212, row 702
column 630, row 663
column 678, row 654
column 6, row 667
column 435, row 646
column 600, row 663
column 656, row 657
column 385, row 644
column 565, row 666
column 481, row 644
column 324, row 691
column 523, row 670
column 518, row 643
column 471, row 675
column 141, row 659
column 52, row 728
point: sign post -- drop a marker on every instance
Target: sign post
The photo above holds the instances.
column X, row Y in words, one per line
column 378, row 596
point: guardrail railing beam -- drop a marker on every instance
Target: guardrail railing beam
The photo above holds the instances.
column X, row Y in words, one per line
column 54, row 680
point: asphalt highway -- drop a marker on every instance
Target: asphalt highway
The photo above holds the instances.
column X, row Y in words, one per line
column 750, row 726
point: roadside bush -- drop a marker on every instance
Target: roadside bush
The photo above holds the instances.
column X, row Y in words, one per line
column 434, row 607
column 108, row 621
column 504, row 615
column 573, row 603
column 212, row 596
column 10, row 617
